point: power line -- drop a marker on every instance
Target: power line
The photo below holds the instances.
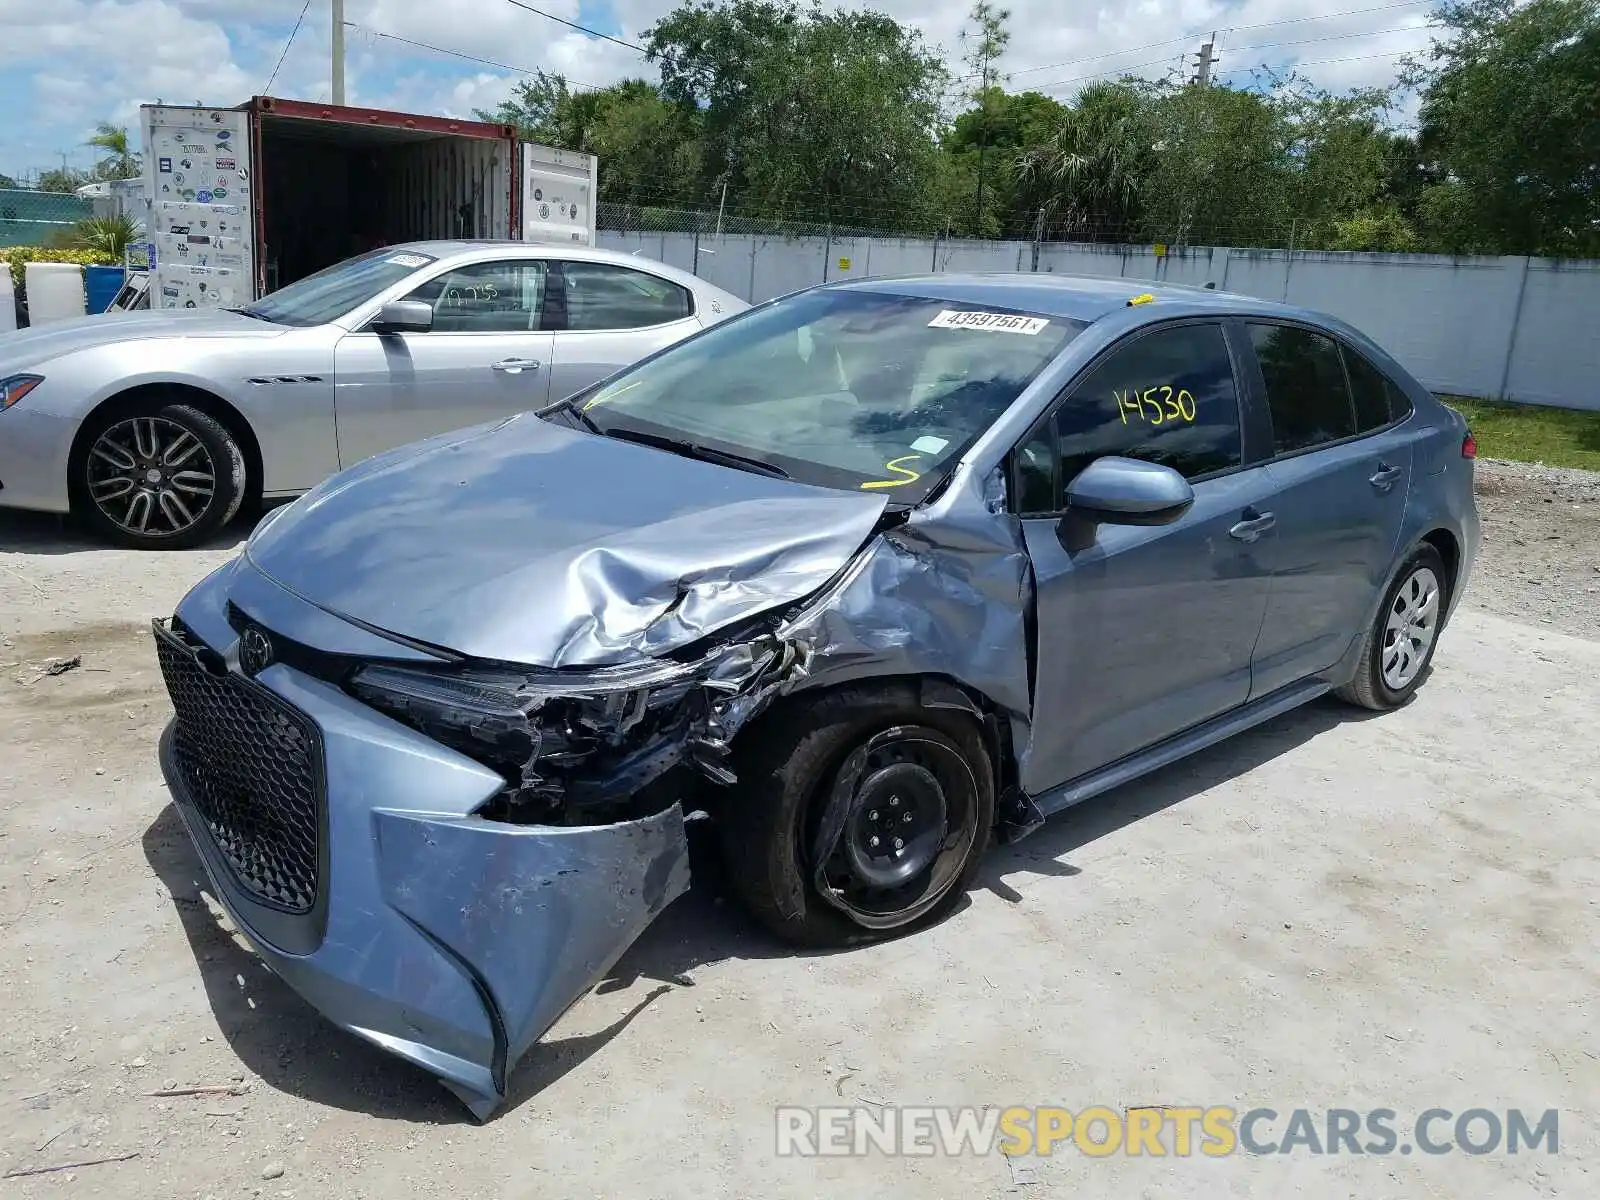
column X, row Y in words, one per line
column 1323, row 62
column 1354, row 12
column 1332, row 37
column 487, row 62
column 580, row 28
column 303, row 8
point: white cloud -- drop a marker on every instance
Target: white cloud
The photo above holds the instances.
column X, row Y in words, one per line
column 81, row 61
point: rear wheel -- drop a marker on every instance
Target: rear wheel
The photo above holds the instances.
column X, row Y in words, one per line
column 1403, row 637
column 167, row 478
column 858, row 816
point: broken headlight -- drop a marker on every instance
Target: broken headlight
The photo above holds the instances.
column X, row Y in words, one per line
column 571, row 742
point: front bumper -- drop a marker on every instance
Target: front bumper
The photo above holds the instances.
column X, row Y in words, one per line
column 33, row 458
column 451, row 941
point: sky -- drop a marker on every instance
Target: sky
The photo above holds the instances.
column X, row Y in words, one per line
column 73, row 63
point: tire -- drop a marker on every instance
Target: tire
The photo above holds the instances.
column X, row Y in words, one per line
column 789, row 769
column 1379, row 683
column 183, row 471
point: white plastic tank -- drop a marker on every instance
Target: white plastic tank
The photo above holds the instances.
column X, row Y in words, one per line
column 8, row 299
column 55, row 292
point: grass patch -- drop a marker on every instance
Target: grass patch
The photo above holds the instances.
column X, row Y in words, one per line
column 1557, row 437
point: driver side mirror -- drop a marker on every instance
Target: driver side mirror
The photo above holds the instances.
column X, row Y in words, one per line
column 1126, row 491
column 403, row 316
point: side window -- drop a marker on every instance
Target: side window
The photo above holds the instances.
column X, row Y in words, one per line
column 490, row 297
column 1035, row 473
column 1167, row 398
column 603, row 296
column 1377, row 400
column 1306, row 390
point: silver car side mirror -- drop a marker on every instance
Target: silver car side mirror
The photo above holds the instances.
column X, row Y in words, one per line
column 403, row 316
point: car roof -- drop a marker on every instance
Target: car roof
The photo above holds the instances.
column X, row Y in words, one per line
column 443, row 249
column 1074, row 297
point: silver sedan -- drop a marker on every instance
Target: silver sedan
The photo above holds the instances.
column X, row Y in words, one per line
column 155, row 428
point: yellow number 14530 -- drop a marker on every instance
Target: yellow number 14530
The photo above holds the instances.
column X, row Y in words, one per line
column 1156, row 405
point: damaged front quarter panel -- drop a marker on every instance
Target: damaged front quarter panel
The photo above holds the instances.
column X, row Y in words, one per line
column 501, row 841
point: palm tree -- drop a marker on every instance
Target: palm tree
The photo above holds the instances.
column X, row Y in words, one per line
column 1090, row 177
column 121, row 161
column 108, row 236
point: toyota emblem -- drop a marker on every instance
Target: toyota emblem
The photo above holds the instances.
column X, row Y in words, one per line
column 255, row 651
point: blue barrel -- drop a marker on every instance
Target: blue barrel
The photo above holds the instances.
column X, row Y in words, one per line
column 101, row 285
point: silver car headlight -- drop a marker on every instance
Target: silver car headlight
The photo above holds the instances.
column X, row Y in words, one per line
column 15, row 387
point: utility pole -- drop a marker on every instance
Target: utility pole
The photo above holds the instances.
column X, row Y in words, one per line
column 338, row 51
column 1203, row 61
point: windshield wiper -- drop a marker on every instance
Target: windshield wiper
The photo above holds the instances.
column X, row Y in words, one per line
column 250, row 312
column 571, row 405
column 690, row 449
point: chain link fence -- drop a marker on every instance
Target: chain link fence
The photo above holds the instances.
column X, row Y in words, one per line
column 648, row 218
column 30, row 218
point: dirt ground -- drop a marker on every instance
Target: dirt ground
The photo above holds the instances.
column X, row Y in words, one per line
column 1334, row 910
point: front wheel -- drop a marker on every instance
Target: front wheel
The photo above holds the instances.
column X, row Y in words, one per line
column 1402, row 639
column 857, row 816
column 166, row 479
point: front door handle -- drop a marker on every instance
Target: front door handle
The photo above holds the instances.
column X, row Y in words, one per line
column 1385, row 477
column 1253, row 526
column 512, row 366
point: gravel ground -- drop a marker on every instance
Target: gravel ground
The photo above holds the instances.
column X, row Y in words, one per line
column 1274, row 922
column 1540, row 560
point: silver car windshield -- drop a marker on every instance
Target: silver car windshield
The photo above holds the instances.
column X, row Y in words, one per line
column 841, row 387
column 334, row 291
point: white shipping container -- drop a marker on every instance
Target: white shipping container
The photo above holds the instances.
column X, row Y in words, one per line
column 275, row 190
column 558, row 195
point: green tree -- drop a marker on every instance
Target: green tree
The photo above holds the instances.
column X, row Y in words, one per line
column 1511, row 114
column 1091, row 178
column 648, row 148
column 7, row 182
column 1008, row 124
column 120, row 161
column 825, row 116
column 62, row 179
column 986, row 41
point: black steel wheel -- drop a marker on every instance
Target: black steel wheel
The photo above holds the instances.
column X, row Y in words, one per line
column 163, row 479
column 858, row 815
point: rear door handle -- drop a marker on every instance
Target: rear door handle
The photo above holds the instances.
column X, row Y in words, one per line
column 1253, row 525
column 1385, row 477
column 513, row 365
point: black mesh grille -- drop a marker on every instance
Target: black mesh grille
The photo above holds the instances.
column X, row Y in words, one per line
column 253, row 769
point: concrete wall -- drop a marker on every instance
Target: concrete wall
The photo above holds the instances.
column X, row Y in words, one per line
column 1518, row 328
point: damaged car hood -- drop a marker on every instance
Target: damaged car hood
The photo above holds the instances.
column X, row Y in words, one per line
column 531, row 543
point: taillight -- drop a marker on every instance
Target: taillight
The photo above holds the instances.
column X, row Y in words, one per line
column 1469, row 446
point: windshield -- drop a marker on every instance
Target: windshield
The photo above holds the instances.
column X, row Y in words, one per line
column 844, row 388
column 334, row 291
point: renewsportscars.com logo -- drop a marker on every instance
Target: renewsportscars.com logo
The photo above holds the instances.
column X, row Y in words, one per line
column 1165, row 1131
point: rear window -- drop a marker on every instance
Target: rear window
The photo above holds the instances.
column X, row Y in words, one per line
column 1378, row 400
column 1306, row 391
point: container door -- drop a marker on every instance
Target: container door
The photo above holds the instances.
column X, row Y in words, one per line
column 558, row 194
column 197, row 175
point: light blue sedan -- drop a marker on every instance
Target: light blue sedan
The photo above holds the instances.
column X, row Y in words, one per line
column 871, row 575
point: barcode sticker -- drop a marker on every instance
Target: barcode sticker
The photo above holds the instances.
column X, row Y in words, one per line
column 1004, row 322
column 408, row 260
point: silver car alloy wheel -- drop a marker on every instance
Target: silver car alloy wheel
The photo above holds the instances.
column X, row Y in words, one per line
column 1412, row 624
column 151, row 476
